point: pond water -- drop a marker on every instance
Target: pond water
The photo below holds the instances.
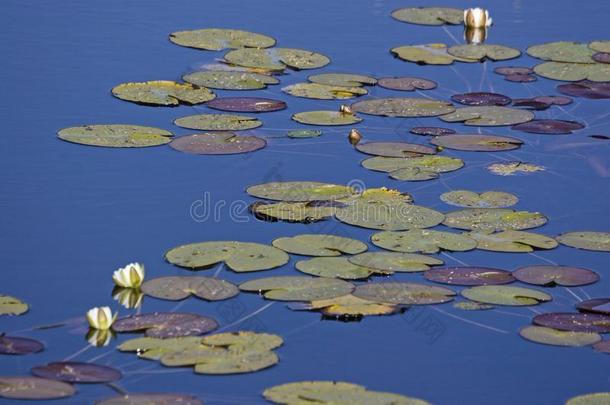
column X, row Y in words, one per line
column 72, row 214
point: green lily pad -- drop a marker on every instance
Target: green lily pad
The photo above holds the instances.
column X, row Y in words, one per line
column 320, row 245
column 390, row 262
column 238, row 256
column 488, row 116
column 178, row 288
column 395, row 149
column 562, row 51
column 304, row 212
column 423, row 241
column 244, row 341
column 505, row 295
column 488, row 199
column 599, row 241
column 413, row 169
column 477, row 143
column 154, row 348
column 511, row 168
column 151, row 399
column 573, row 72
column 343, row 79
column 304, row 133
column 116, row 136
column 12, row 306
column 324, row 117
column 481, row 52
column 550, row 336
column 427, row 54
column 300, row 191
column 512, row 241
column 237, row 363
column 227, row 80
column 276, row 58
column 404, row 293
column 600, row 46
column 215, row 39
column 596, row 398
column 162, row 92
column 323, row 91
column 298, row 288
column 429, row 15
column 34, row 388
column 403, row 107
column 472, row 306
column 390, row 216
column 335, row 267
column 218, row 122
column 347, row 307
column 493, row 219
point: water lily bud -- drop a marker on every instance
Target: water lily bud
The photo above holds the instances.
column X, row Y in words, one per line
column 346, row 109
column 477, row 18
column 130, row 298
column 354, row 137
column 130, row 276
column 101, row 318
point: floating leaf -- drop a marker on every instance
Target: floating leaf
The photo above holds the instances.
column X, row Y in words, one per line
column 513, row 70
column 395, row 149
column 343, row 79
column 238, row 256
column 347, row 307
column 481, row 99
column 390, row 262
column 246, row 104
column 469, row 276
column 493, row 219
column 218, row 122
column 431, row 131
column 423, row 240
column 162, row 92
column 595, row 305
column 575, row 322
column 12, row 306
column 587, row 89
column 549, row 126
column 34, row 388
column 477, row 143
column 599, row 241
column 488, row 199
column 555, row 275
column 298, row 288
column 429, row 15
column 237, row 363
column 520, row 78
column 151, row 399
column 76, row 372
column 19, row 345
column 472, row 306
column 326, row 118
column 600, row 46
column 413, row 169
column 505, row 295
column 562, row 51
column 335, row 267
column 403, row 293
column 601, row 57
column 550, row 336
column 597, row 398
column 243, row 341
column 573, row 72
column 228, row 80
column 179, row 288
column 511, row 168
column 320, row 245
column 481, row 52
column 304, row 212
column 215, row 39
column 512, row 241
column 427, row 54
column 166, row 324
column 277, row 58
column 391, row 216
column 304, row 133
column 300, row 191
column 403, row 107
column 116, row 136
column 488, row 116
column 217, row 143
column 155, row 348
column 323, row 91
column 603, row 347
column 406, row 83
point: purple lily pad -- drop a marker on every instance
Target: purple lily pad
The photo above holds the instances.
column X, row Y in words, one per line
column 34, row 388
column 481, row 99
column 246, row 104
column 469, row 276
column 431, row 131
column 517, row 78
column 587, row 89
column 601, row 57
column 529, row 103
column 406, row 83
column 513, row 70
column 555, row 275
column 595, row 305
column 217, row 143
column 166, row 324
column 76, row 372
column 554, row 100
column 603, row 346
column 575, row 322
column 151, row 399
column 477, row 143
column 395, row 149
column 19, row 345
column 556, row 127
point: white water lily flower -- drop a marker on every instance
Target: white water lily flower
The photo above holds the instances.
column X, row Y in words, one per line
column 101, row 318
column 128, row 297
column 477, row 18
column 130, row 276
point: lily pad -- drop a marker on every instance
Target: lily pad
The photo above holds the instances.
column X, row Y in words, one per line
column 218, row 122
column 602, row 347
column 403, row 293
column 481, row 52
column 599, row 241
column 395, row 149
column 600, row 46
column 597, row 398
column 324, row 117
column 423, row 241
column 335, row 267
column 511, row 168
column 427, row 54
column 243, row 341
column 469, row 276
column 550, row 336
column 116, row 136
column 488, row 116
column 573, row 72
column 513, row 70
column 512, row 241
column 472, row 306
column 505, row 295
column 34, row 388
column 488, row 199
column 238, row 256
column 166, row 324
column 217, row 143
column 343, row 79
column 298, row 288
column 179, row 288
column 549, row 127
column 155, row 348
column 228, row 80
column 595, row 305
column 19, row 345
column 562, row 51
column 431, row 131
column 587, row 89
column 76, row 372
column 303, row 133
column 246, row 104
column 391, row 216
column 477, row 143
column 575, row 322
column 216, row 39
column 12, row 306
column 406, row 83
column 530, row 104
column 347, row 307
column 413, row 169
column 323, row 91
column 403, row 107
column 429, row 15
column 555, row 275
column 162, row 92
column 481, row 99
column 300, row 191
column 237, row 363
column 304, row 212
column 320, row 245
column 277, row 58
column 493, row 219
column 601, row 57
column 390, row 262
column 554, row 100
column 151, row 399
column 520, row 78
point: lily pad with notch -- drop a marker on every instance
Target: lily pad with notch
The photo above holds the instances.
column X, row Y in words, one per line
column 246, row 104
column 390, row 262
column 575, row 322
column 298, row 288
column 406, row 83
column 493, row 219
column 34, row 388
column 116, row 136
column 348, row 307
column 563, row 51
column 415, row 168
column 392, row 216
column 513, row 168
column 488, row 116
column 163, row 93
column 427, row 54
column 303, row 212
column 477, row 143
column 487, row 199
column 549, row 127
column 300, row 191
column 77, row 372
column 403, row 293
column 230, row 80
column 548, row 275
column 320, row 245
column 336, row 267
column 324, row 117
column 395, row 149
column 343, row 79
column 512, row 241
column 429, row 15
column 218, row 122
column 598, row 241
column 554, row 337
column 481, row 99
column 217, row 39
column 321, row 91
column 574, row 72
column 19, row 345
column 276, row 59
column 423, row 241
column 587, row 89
column 178, row 288
column 470, row 276
column 505, row 295
column 403, row 107
column 482, row 52
column 217, row 143
column 166, row 324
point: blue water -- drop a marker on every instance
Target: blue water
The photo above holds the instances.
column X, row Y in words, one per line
column 71, row 214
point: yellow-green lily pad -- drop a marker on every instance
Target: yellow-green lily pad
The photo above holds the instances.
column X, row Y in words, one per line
column 403, row 107
column 216, row 39
column 404, row 293
column 277, row 59
column 550, row 336
column 487, row 199
column 324, row 117
column 162, row 92
column 599, row 241
column 427, row 54
column 505, row 295
column 116, row 136
column 562, row 51
column 343, row 79
column 335, row 267
column 488, row 116
column 423, row 241
column 298, row 288
column 481, row 52
column 600, row 46
column 429, row 15
column 323, row 91
column 572, row 72
column 415, row 168
column 390, row 262
column 218, row 122
column 228, row 80
column 177, row 288
column 493, row 219
column 300, row 191
column 347, row 307
column 512, row 241
column 12, row 306
column 596, row 398
column 304, row 212
column 320, row 245
column 388, row 216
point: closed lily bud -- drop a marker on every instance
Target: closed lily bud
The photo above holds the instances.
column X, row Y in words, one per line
column 101, row 318
column 354, row 136
column 475, row 35
column 477, row 18
column 346, row 109
column 130, row 298
column 130, row 276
